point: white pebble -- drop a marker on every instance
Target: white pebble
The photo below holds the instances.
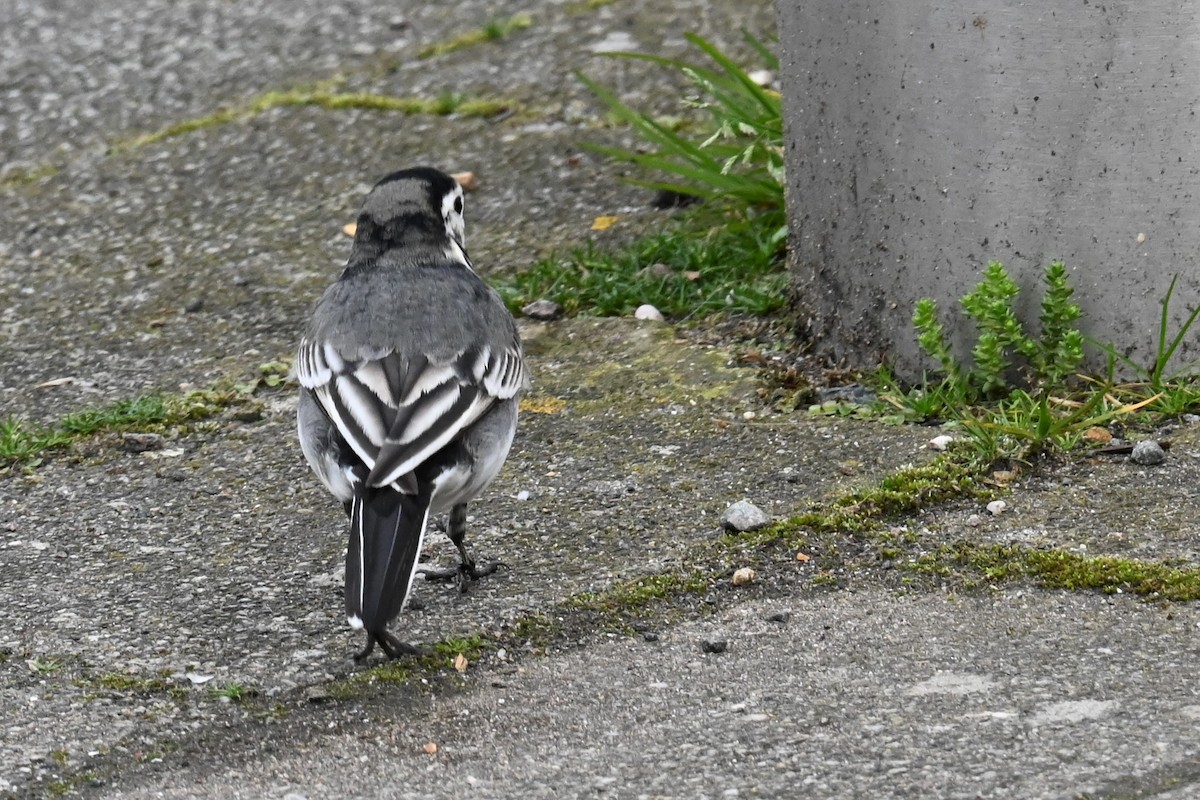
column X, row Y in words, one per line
column 647, row 311
column 941, row 442
column 744, row 516
column 762, row 77
column 996, row 507
column 523, row 495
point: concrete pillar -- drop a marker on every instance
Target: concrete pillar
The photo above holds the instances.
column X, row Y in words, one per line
column 927, row 137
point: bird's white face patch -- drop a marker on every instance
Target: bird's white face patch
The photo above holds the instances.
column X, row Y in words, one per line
column 452, row 215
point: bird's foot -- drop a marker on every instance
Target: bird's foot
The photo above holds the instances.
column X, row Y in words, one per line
column 463, row 574
column 390, row 645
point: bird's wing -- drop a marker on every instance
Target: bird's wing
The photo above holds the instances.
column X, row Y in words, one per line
column 396, row 412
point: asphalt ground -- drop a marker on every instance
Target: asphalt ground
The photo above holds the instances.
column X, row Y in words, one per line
column 170, row 623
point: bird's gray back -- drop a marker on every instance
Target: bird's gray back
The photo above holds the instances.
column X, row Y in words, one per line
column 411, row 307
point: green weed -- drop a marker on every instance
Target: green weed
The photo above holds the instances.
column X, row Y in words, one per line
column 739, row 163
column 1155, row 375
column 682, row 272
column 1019, row 396
column 233, row 692
column 725, row 257
column 44, row 666
column 1049, row 361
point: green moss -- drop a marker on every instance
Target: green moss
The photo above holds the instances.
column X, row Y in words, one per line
column 25, row 177
column 471, row 647
column 825, row 579
column 905, row 492
column 491, row 31
column 445, row 104
column 535, row 630
column 23, row 443
column 1059, row 569
column 122, row 682
column 638, row 593
column 585, row 6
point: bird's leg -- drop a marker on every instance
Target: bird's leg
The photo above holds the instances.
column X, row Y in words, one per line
column 467, row 570
column 391, row 646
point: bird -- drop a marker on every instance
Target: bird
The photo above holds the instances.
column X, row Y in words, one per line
column 410, row 371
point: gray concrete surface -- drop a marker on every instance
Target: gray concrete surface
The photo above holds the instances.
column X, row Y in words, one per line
column 133, row 583
column 859, row 694
column 927, row 138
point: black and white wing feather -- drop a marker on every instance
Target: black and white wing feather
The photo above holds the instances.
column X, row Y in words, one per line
column 396, row 412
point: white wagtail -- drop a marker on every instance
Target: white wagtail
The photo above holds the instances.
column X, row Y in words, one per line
column 410, row 369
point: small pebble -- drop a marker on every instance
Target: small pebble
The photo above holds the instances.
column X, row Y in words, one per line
column 782, row 617
column 744, row 516
column 543, row 310
column 648, row 312
column 194, row 305
column 941, row 442
column 762, row 77
column 974, row 520
column 744, row 576
column 996, row 507
column 1148, row 453
column 650, row 636
column 714, row 645
column 523, row 495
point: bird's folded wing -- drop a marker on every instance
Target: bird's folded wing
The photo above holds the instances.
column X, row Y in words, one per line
column 396, row 413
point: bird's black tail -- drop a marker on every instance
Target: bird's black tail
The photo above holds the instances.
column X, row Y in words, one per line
column 386, row 530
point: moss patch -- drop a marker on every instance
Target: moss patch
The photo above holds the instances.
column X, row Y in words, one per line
column 638, row 593
column 323, row 97
column 907, row 491
column 492, row 31
column 137, row 684
column 23, row 443
column 24, row 177
column 1059, row 569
